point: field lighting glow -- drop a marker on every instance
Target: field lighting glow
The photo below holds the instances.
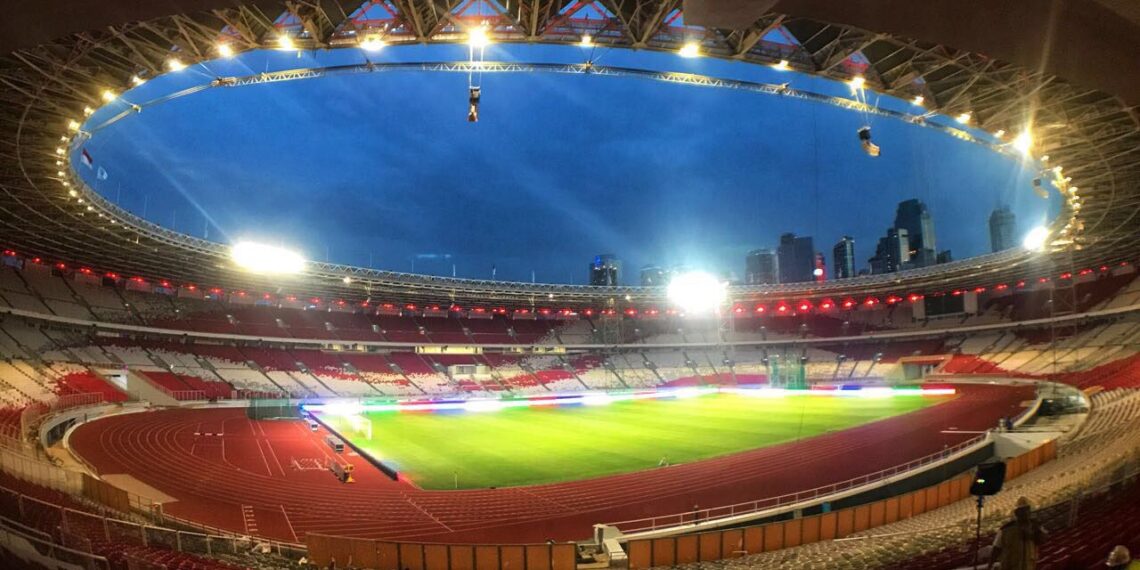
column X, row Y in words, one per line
column 1036, row 238
column 260, row 258
column 485, row 405
column 696, row 292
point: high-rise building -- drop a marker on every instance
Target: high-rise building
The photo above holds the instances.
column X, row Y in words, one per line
column 1003, row 228
column 944, row 256
column 761, row 267
column 605, row 270
column 796, row 258
column 913, row 217
column 843, row 258
column 654, row 276
column 892, row 252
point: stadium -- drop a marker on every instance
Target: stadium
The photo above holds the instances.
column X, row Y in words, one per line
column 171, row 399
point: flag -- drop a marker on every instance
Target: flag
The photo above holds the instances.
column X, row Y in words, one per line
column 493, row 270
column 85, row 158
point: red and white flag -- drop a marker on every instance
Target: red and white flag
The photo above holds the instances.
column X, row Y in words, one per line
column 85, row 157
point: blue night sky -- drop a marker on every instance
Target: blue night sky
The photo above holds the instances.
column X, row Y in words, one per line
column 382, row 168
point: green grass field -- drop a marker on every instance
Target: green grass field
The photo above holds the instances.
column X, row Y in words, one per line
column 528, row 446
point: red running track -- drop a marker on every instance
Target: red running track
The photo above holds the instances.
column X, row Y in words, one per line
column 244, row 480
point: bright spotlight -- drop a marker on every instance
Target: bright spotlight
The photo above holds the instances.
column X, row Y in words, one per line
column 587, row 40
column 73, row 126
column 782, row 65
column 964, row 118
column 1035, row 239
column 373, row 43
column 999, row 133
column 690, row 49
column 136, row 80
column 225, row 50
column 1024, row 142
column 284, row 42
column 175, row 64
column 918, row 100
column 109, row 95
column 478, row 38
column 260, row 258
column 857, row 82
column 696, row 292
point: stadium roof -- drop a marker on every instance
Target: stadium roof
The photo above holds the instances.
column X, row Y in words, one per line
column 1065, row 64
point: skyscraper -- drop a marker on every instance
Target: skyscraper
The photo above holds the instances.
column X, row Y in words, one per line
column 761, row 267
column 605, row 271
column 843, row 258
column 653, row 276
column 892, row 252
column 796, row 258
column 1003, row 227
column 913, row 217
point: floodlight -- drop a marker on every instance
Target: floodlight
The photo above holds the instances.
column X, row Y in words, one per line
column 1036, row 238
column 175, row 64
column 587, row 40
column 1023, row 142
column 918, row 100
column 478, row 38
column 782, row 65
column 108, row 95
column 857, row 82
column 696, row 292
column 690, row 49
column 73, row 125
column 260, row 258
column 284, row 42
column 225, row 50
column 136, row 80
column 964, row 118
column 999, row 133
column 372, row 43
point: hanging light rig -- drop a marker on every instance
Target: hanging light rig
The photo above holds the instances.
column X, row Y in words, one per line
column 857, row 85
column 477, row 40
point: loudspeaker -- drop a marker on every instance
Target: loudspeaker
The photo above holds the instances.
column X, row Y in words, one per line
column 988, row 479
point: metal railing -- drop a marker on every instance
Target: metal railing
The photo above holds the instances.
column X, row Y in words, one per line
column 78, row 528
column 712, row 515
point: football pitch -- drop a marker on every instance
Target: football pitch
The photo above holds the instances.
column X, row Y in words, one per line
column 536, row 445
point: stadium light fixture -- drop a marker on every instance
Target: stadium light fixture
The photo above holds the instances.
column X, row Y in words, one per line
column 782, row 65
column 87, row 111
column 587, row 40
column 478, row 38
column 175, row 64
column 857, row 82
column 136, row 80
column 1000, row 133
column 964, row 118
column 73, row 125
column 372, row 43
column 690, row 49
column 696, row 292
column 225, row 49
column 260, row 258
column 285, row 43
column 1024, row 142
column 918, row 100
column 1036, row 238
column 108, row 95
